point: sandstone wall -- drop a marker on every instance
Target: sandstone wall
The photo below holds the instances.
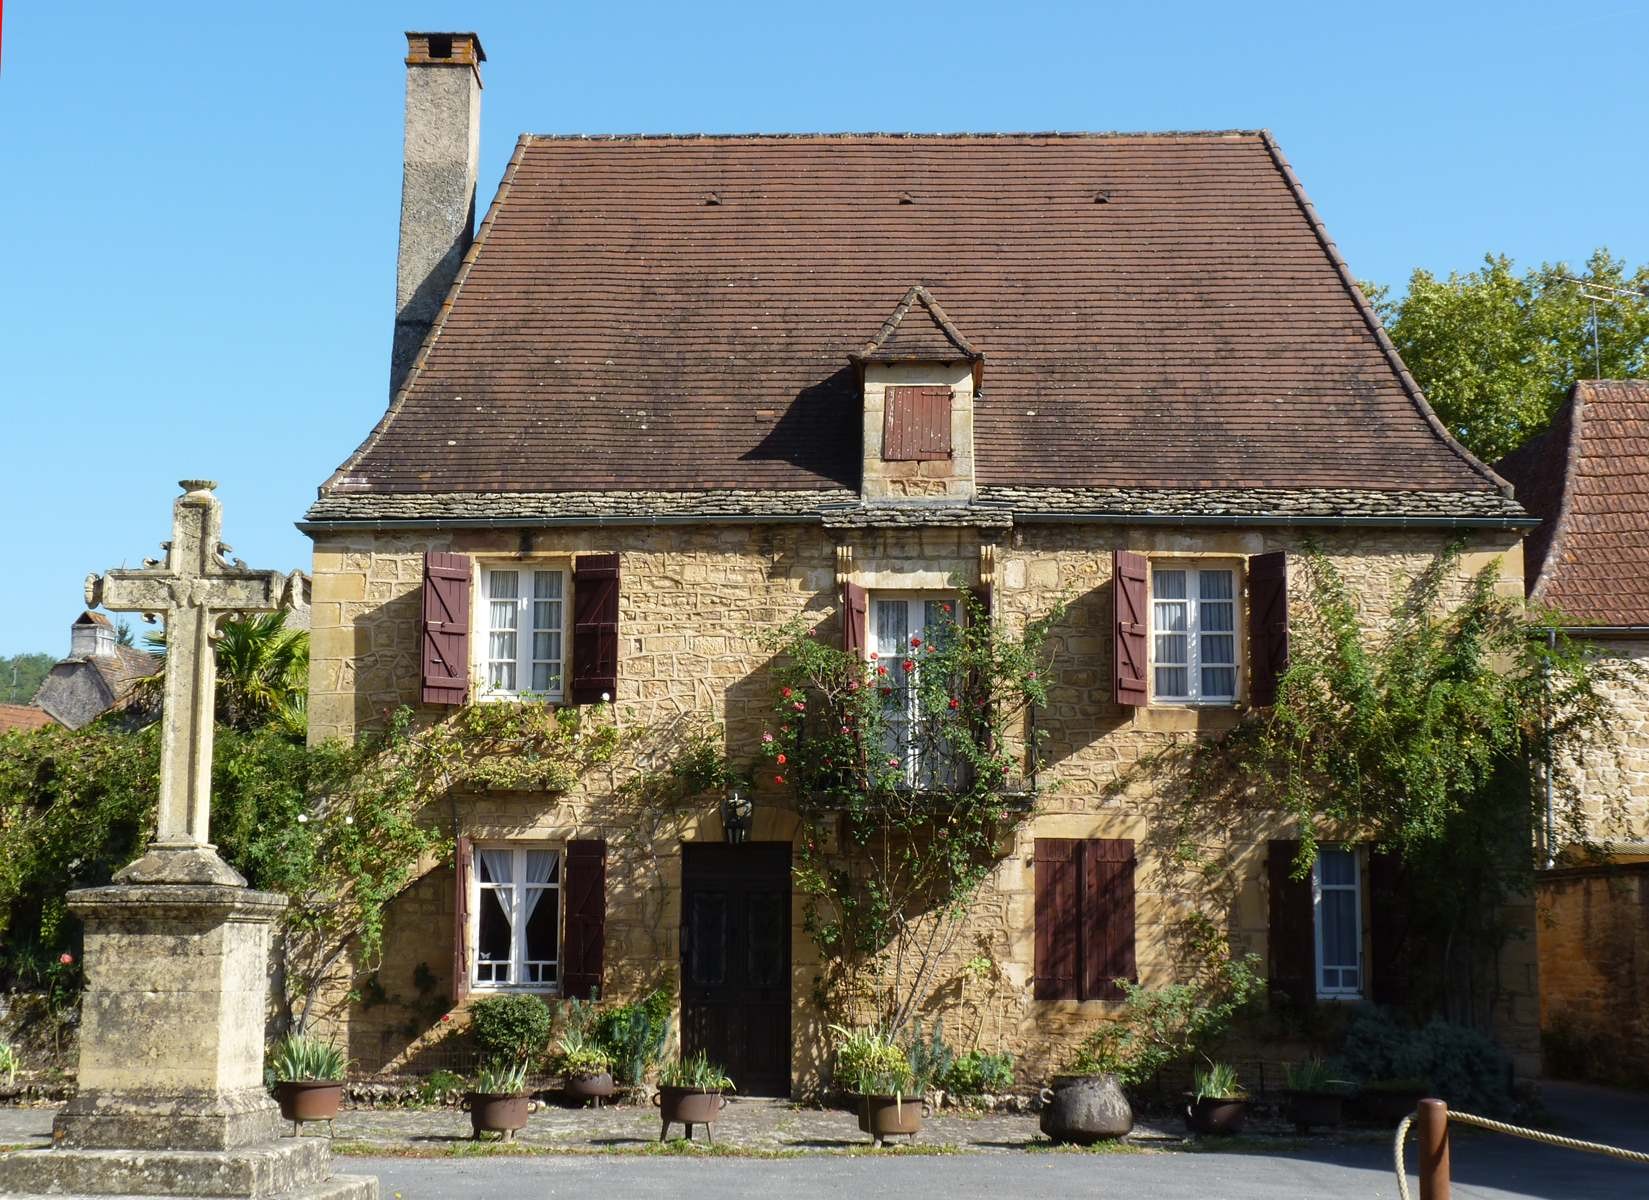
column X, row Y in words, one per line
column 1614, row 790
column 694, row 604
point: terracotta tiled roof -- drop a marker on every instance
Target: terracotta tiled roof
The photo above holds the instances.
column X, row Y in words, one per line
column 928, row 336
column 22, row 716
column 1155, row 311
column 1587, row 478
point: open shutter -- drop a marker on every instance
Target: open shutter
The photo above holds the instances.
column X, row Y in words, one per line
column 1293, row 932
column 1267, row 625
column 1390, row 952
column 446, row 636
column 595, row 628
column 979, row 685
column 855, row 619
column 462, row 857
column 583, row 950
column 1058, row 871
column 1107, row 917
column 1128, row 573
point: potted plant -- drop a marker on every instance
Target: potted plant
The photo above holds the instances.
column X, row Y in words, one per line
column 309, row 1079
column 1315, row 1097
column 1388, row 1101
column 586, row 1069
column 497, row 1102
column 1086, row 1103
column 1219, row 1102
column 691, row 1091
column 877, row 1070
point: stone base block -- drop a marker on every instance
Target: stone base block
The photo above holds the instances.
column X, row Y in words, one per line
column 339, row 1187
column 277, row 1169
column 98, row 1119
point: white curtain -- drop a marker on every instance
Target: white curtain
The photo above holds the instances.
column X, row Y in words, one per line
column 500, row 865
column 540, row 869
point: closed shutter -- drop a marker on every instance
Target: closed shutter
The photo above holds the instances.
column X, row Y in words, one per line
column 462, row 857
column 1107, row 917
column 1132, row 627
column 916, row 424
column 1267, row 625
column 583, row 950
column 855, row 619
column 1293, row 931
column 446, row 634
column 1390, row 951
column 595, row 628
column 1058, row 870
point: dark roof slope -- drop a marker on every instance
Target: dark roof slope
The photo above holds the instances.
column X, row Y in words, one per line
column 1155, row 311
column 1587, row 479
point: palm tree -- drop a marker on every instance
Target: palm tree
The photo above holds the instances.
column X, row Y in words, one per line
column 263, row 672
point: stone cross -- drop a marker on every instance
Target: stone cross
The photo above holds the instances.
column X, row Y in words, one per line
column 195, row 588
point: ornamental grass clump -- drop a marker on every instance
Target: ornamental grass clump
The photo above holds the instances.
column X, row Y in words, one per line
column 577, row 1055
column 501, row 1077
column 1312, row 1076
column 9, row 1063
column 870, row 1063
column 298, row 1059
column 1217, row 1081
column 696, row 1072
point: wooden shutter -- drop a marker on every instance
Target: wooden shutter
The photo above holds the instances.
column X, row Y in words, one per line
column 1390, row 950
column 1058, row 870
column 446, row 640
column 1293, row 932
column 1128, row 574
column 462, row 858
column 855, row 619
column 1107, row 917
column 916, row 424
column 583, row 949
column 1267, row 625
column 595, row 627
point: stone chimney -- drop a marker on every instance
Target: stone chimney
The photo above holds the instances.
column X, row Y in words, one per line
column 91, row 636
column 440, row 156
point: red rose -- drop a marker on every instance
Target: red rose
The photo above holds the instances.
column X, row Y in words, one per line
column 446, row 1016
column 915, row 641
column 782, row 760
column 910, row 664
column 785, row 693
column 65, row 958
column 955, row 703
column 778, row 779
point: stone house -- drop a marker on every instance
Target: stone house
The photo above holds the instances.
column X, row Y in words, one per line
column 1587, row 479
column 98, row 676
column 677, row 391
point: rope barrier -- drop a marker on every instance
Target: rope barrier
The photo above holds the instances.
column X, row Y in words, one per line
column 1517, row 1131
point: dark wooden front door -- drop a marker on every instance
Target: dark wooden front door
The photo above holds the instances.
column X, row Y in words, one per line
column 735, row 961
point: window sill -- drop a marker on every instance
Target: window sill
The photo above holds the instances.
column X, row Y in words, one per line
column 1339, row 997
column 1188, row 718
column 519, row 698
column 504, row 989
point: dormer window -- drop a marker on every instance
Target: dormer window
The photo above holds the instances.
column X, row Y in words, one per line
column 916, row 424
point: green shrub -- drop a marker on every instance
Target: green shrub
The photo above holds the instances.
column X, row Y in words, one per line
column 870, row 1063
column 635, row 1034
column 1459, row 1064
column 929, row 1057
column 978, row 1073
column 511, row 1026
column 298, row 1059
column 439, row 1086
column 9, row 1063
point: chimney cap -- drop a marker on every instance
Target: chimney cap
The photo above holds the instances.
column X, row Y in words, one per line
column 437, row 49
column 92, row 618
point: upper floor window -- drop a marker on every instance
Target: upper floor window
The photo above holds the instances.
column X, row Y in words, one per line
column 900, row 627
column 525, row 622
column 517, row 916
column 1337, row 906
column 1194, row 633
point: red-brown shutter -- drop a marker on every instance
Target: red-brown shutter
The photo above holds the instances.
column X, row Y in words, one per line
column 1293, row 932
column 1107, row 917
column 1058, row 870
column 595, row 628
column 1128, row 572
column 583, row 950
column 916, row 424
column 446, row 640
column 855, row 619
column 462, row 857
column 1267, row 625
column 1389, row 952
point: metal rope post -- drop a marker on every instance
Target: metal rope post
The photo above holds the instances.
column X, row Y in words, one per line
column 1432, row 1121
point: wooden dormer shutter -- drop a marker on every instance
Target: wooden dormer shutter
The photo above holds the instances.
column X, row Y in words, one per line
column 445, row 649
column 916, row 424
column 1131, row 628
column 1267, row 625
column 595, row 628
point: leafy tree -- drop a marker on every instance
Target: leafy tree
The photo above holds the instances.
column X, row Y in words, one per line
column 20, row 676
column 1496, row 351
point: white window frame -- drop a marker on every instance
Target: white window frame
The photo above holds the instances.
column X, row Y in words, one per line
column 913, row 769
column 524, row 660
column 1193, row 664
column 1355, row 887
column 518, row 962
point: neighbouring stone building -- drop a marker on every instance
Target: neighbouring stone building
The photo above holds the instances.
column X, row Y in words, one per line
column 680, row 390
column 98, row 676
column 1587, row 478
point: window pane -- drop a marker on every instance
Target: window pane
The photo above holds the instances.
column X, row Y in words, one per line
column 1168, row 585
column 493, row 937
column 707, row 939
column 504, row 585
column 1218, row 648
column 1216, row 616
column 1171, row 681
column 1339, row 917
column 1219, row 682
column 892, row 632
column 1171, row 648
column 1214, row 585
column 544, row 927
column 546, row 585
column 1337, row 867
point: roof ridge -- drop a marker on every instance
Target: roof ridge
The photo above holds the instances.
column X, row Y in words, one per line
column 1372, row 319
column 917, row 292
column 917, row 135
column 1574, row 426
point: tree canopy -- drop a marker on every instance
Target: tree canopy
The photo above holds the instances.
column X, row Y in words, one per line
column 1496, row 351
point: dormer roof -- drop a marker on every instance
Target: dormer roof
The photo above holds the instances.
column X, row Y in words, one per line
column 927, row 336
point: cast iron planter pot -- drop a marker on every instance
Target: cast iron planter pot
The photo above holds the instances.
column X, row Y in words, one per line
column 689, row 1107
column 1211, row 1115
column 309, row 1100
column 883, row 1117
column 591, row 1087
column 1322, row 1109
column 497, row 1112
column 1084, row 1109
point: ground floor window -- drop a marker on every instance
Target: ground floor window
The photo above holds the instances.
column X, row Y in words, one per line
column 1337, row 908
column 517, row 917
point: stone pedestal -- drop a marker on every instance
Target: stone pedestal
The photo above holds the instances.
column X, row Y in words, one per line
column 171, row 1099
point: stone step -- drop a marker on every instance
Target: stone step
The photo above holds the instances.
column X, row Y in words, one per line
column 339, row 1187
column 254, row 1172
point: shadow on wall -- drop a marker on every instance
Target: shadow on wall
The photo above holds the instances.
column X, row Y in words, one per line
column 1080, row 710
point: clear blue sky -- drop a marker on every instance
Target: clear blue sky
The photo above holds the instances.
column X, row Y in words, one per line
column 200, row 201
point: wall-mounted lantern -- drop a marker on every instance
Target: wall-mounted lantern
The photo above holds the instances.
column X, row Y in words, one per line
column 738, row 810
